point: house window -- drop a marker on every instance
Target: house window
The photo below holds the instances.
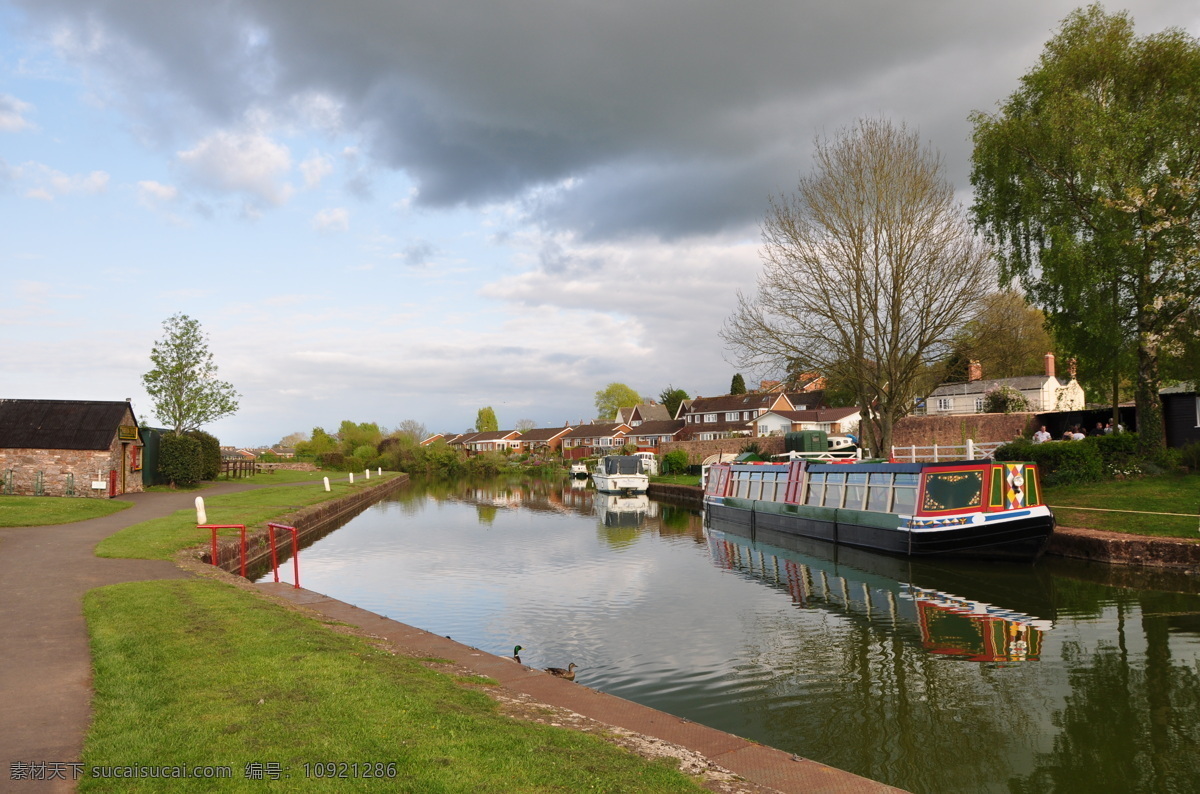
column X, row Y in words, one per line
column 943, row 404
column 978, row 405
column 732, row 416
column 710, row 417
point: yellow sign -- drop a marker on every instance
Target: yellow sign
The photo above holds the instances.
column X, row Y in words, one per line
column 127, row 433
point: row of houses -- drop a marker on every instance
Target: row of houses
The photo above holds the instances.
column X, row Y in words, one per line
column 648, row 426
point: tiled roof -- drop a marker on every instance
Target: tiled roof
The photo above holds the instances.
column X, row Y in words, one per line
column 599, row 430
column 730, row 402
column 60, row 424
column 543, row 433
column 663, row 427
column 1022, row 383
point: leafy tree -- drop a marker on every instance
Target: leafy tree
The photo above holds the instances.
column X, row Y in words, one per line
column 612, row 397
column 1087, row 181
column 1008, row 339
column 353, row 436
column 485, row 420
column 320, row 444
column 671, row 398
column 870, row 268
column 737, row 385
column 675, row 462
column 183, row 382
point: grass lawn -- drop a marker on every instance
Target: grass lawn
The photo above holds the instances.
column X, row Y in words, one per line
column 37, row 511
column 1170, row 493
column 677, row 479
column 160, row 538
column 215, row 676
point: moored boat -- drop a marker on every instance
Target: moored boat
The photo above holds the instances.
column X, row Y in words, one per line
column 579, row 471
column 621, row 474
column 972, row 509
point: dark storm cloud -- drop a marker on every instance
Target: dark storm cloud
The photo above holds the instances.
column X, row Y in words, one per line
column 660, row 118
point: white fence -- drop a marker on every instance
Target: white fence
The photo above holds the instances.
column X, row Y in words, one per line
column 968, row 451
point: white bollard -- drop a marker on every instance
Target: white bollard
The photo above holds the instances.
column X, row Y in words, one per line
column 201, row 516
column 368, row 473
column 379, row 471
column 970, row 449
column 352, row 478
column 327, row 484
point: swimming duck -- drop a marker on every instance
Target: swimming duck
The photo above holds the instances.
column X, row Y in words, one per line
column 568, row 674
column 516, row 657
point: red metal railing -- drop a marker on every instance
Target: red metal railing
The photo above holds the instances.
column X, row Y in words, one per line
column 271, row 527
column 295, row 552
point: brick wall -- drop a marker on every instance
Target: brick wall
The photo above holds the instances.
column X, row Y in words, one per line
column 57, row 464
column 955, row 429
column 697, row 451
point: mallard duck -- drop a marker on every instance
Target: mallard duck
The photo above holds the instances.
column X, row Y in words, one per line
column 516, row 657
column 568, row 674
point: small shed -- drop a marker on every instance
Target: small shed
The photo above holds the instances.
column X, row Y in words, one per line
column 1181, row 414
column 83, row 448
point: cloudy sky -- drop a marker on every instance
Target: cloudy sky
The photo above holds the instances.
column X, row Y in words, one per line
column 383, row 210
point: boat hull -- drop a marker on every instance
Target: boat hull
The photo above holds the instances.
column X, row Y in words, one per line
column 621, row 483
column 1021, row 535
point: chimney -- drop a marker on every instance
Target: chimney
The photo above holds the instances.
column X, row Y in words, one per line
column 1049, row 359
column 974, row 371
column 1071, row 368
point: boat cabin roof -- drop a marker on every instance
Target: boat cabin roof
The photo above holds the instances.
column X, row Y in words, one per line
column 905, row 468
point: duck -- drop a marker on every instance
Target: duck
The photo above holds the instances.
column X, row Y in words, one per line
column 568, row 674
column 516, row 657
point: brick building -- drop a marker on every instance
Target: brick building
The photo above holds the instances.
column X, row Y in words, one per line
column 69, row 448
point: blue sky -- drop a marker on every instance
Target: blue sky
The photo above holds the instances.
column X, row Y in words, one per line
column 383, row 211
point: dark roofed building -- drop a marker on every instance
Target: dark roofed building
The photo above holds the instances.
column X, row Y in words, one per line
column 69, row 448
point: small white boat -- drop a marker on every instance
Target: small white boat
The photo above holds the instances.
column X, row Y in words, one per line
column 579, row 471
column 621, row 474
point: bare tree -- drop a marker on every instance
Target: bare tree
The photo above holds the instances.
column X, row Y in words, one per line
column 869, row 269
column 525, row 425
column 413, row 429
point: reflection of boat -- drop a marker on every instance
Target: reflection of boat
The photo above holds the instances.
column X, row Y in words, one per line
column 973, row 509
column 620, row 474
column 615, row 510
column 579, row 471
column 1002, row 618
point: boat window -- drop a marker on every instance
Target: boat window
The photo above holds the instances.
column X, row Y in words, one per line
column 904, row 499
column 856, row 489
column 755, row 490
column 816, row 488
column 879, row 495
column 768, row 486
column 953, row 490
column 834, row 488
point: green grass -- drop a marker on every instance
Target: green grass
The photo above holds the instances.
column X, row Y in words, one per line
column 215, row 676
column 161, row 538
column 1169, row 493
column 38, row 511
column 676, row 479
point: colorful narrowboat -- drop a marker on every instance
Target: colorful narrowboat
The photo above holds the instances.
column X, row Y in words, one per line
column 973, row 509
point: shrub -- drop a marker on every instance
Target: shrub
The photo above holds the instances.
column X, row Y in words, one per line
column 1190, row 456
column 1058, row 462
column 1120, row 453
column 675, row 462
column 332, row 460
column 210, row 454
column 1004, row 400
column 179, row 459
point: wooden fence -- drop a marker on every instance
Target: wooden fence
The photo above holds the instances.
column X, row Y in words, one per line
column 238, row 468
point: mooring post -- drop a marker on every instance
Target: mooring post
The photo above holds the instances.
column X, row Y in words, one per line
column 201, row 516
column 327, row 484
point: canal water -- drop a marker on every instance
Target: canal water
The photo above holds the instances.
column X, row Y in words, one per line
column 933, row 677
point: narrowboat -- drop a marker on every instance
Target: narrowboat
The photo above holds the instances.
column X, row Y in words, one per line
column 970, row 509
column 621, row 474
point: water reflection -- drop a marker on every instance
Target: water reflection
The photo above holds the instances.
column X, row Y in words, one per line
column 934, row 677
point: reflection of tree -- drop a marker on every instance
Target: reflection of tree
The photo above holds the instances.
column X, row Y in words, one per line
column 487, row 513
column 1125, row 727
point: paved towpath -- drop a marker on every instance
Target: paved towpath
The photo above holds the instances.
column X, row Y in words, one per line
column 45, row 661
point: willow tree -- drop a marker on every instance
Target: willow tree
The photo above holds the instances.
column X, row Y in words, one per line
column 870, row 267
column 1086, row 180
